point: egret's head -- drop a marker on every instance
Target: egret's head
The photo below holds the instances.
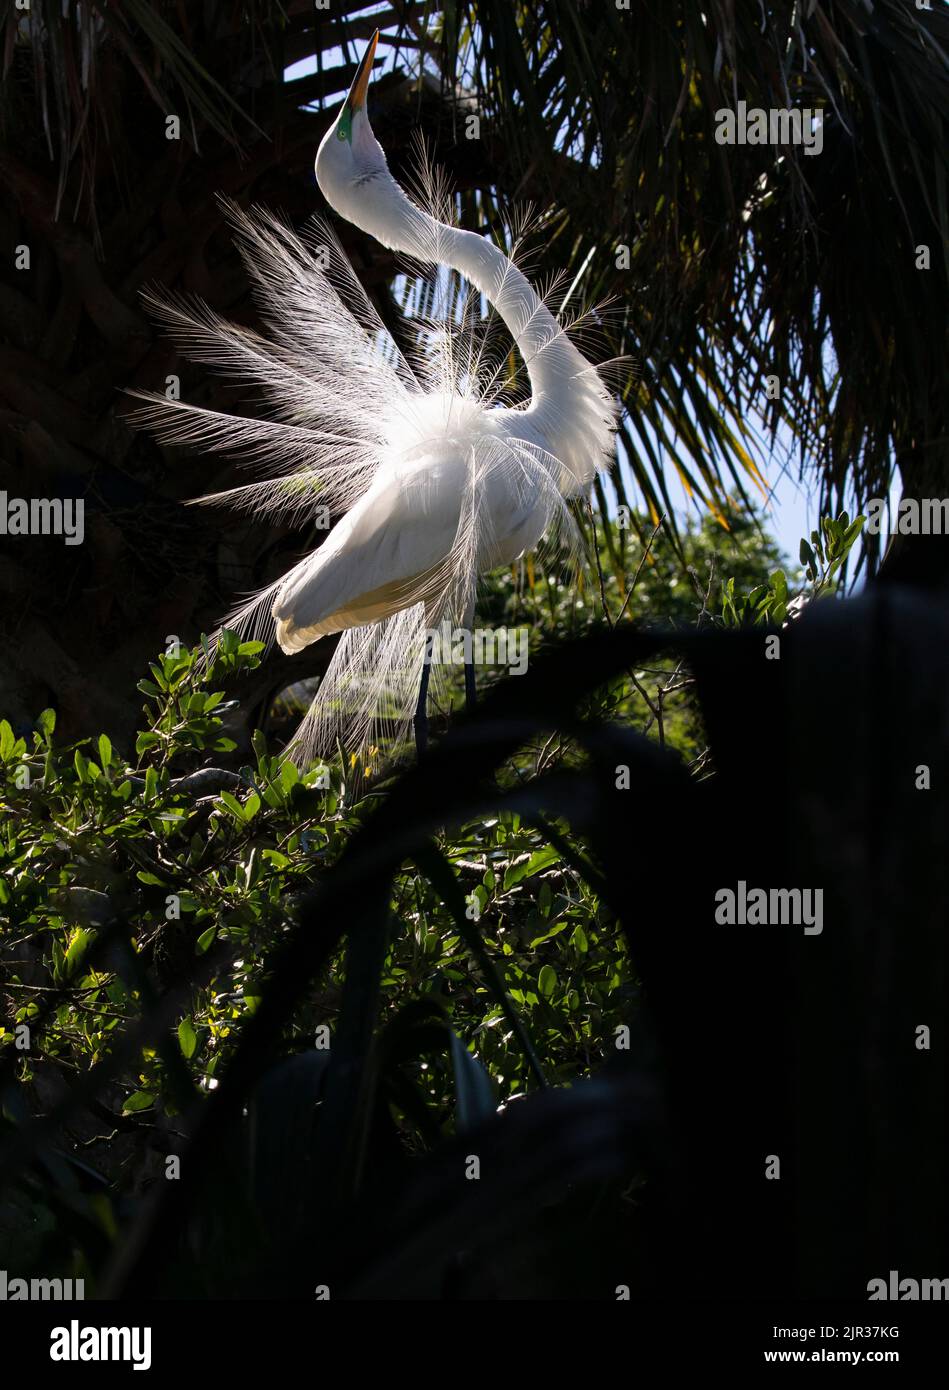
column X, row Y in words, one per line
column 350, row 157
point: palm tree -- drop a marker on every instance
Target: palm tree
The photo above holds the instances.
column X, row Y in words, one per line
column 727, row 265
column 747, row 262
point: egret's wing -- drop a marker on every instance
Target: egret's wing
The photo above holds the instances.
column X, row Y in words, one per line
column 406, row 562
column 330, row 374
column 379, row 558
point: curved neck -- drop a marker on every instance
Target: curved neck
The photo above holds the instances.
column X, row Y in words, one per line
column 548, row 354
column 400, row 225
column 570, row 410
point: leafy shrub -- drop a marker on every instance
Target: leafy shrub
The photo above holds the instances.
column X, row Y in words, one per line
column 146, row 902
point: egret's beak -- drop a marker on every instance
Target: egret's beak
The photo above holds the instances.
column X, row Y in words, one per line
column 357, row 92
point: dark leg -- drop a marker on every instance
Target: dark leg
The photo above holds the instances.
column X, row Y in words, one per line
column 421, row 718
column 469, row 685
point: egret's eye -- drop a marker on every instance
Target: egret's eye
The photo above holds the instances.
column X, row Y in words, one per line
column 344, row 131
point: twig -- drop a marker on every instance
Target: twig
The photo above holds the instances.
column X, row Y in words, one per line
column 599, row 567
column 654, row 710
column 639, row 568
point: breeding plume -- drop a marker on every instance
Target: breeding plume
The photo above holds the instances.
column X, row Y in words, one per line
column 435, row 477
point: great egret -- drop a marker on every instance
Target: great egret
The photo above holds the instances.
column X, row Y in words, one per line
column 439, row 480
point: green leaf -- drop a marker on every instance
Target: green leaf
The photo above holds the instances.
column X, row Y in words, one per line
column 232, row 804
column 578, row 938
column 547, row 981
column 547, row 935
column 274, row 857
column 542, row 859
column 77, row 947
column 187, row 1038
column 7, row 741
column 779, row 584
column 47, row 722
column 514, row 873
column 832, row 536
column 852, row 532
column 204, row 941
column 474, row 1094
column 105, row 750
column 139, row 1100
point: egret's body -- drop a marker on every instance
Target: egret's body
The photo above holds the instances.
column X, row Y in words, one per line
column 391, row 546
column 438, row 481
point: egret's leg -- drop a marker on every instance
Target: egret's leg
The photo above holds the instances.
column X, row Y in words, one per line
column 421, row 718
column 469, row 665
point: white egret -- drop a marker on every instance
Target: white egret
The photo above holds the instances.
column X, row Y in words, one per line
column 439, row 480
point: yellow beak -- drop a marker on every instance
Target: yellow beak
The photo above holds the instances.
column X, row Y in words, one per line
column 357, row 92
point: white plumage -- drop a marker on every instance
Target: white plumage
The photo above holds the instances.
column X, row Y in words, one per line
column 438, row 479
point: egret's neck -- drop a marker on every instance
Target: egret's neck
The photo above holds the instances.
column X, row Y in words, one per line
column 548, row 354
column 550, row 358
column 570, row 408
